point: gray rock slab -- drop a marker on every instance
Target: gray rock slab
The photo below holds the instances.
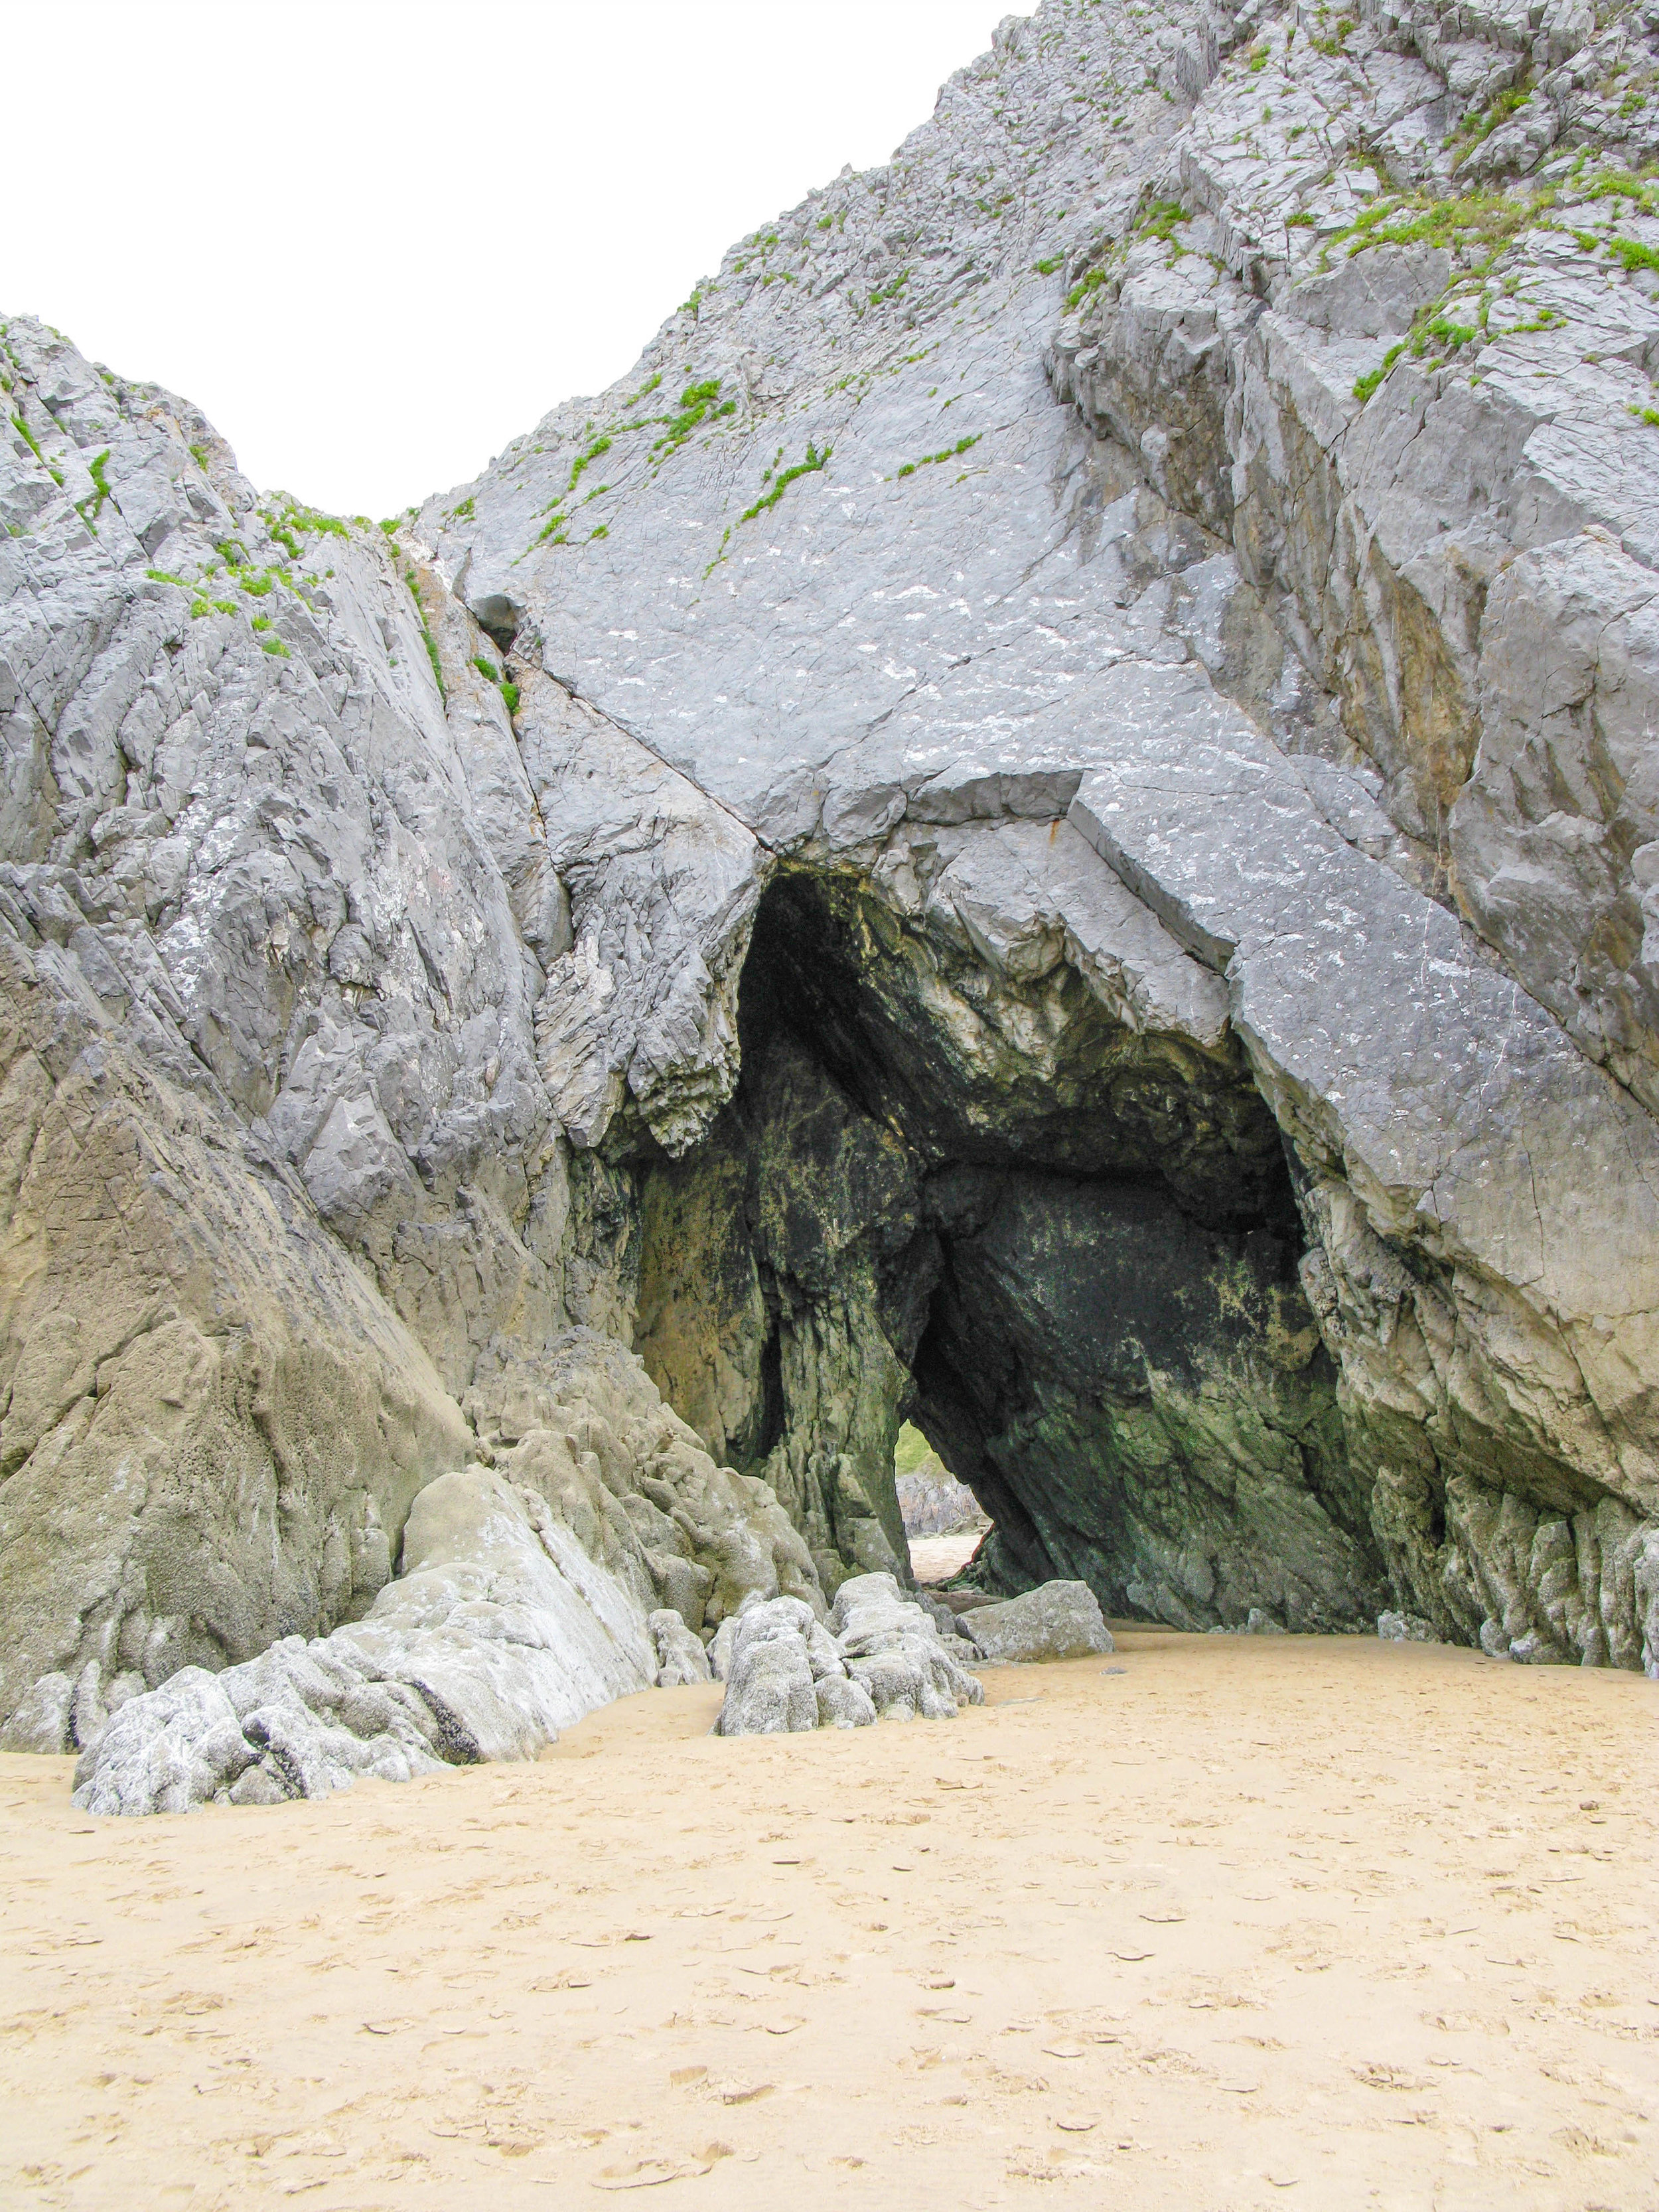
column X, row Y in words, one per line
column 1057, row 1620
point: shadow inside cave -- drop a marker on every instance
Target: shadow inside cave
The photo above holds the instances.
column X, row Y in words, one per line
column 1065, row 1246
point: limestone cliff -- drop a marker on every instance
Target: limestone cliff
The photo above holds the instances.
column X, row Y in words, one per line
column 1043, row 822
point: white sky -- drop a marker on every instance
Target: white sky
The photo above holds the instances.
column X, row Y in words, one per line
column 374, row 239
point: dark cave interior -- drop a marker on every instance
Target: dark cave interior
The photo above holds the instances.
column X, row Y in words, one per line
column 1066, row 1248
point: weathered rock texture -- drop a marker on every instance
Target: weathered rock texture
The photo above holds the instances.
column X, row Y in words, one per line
column 883, row 1657
column 569, row 1574
column 1045, row 819
column 1056, row 1621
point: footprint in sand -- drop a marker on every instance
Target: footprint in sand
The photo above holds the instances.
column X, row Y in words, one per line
column 649, row 2172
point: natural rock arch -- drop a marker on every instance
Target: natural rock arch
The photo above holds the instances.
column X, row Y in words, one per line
column 973, row 1194
column 1175, row 767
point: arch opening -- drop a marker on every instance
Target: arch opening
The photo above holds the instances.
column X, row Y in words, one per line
column 944, row 1522
column 1063, row 1247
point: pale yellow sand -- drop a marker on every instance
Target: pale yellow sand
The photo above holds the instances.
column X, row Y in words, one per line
column 1248, row 1922
column 936, row 1558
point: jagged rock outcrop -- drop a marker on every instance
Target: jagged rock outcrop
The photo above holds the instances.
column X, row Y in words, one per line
column 527, row 1595
column 883, row 1657
column 1043, row 820
column 500, row 1631
column 862, row 583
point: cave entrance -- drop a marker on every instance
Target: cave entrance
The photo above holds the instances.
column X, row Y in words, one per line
column 962, row 1192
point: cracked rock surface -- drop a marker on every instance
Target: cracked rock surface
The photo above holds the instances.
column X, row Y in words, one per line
column 1043, row 822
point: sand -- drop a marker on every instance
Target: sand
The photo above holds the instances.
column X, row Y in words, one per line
column 939, row 1559
column 1217, row 1923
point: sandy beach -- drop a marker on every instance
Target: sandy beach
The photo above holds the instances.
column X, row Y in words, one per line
column 936, row 1559
column 1215, row 1923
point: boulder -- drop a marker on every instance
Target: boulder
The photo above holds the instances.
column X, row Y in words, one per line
column 770, row 1686
column 1057, row 1620
column 681, row 1658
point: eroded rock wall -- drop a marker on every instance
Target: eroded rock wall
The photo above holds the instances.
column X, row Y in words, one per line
column 1151, row 702
column 1385, row 317
column 290, row 1225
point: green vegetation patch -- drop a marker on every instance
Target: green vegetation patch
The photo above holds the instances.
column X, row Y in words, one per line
column 1368, row 384
column 912, row 1450
column 950, row 454
column 100, row 492
column 1434, row 330
column 1633, row 254
column 699, row 404
column 33, row 445
column 508, row 689
column 1160, row 220
column 589, row 454
column 1642, row 187
column 1475, row 129
column 1490, row 219
column 431, row 643
column 815, row 460
column 308, row 519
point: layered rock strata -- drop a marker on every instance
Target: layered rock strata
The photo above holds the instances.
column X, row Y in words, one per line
column 1042, row 820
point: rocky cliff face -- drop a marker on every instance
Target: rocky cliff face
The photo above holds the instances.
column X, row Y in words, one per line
column 1043, row 821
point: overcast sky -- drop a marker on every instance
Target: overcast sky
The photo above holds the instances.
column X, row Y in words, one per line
column 373, row 239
